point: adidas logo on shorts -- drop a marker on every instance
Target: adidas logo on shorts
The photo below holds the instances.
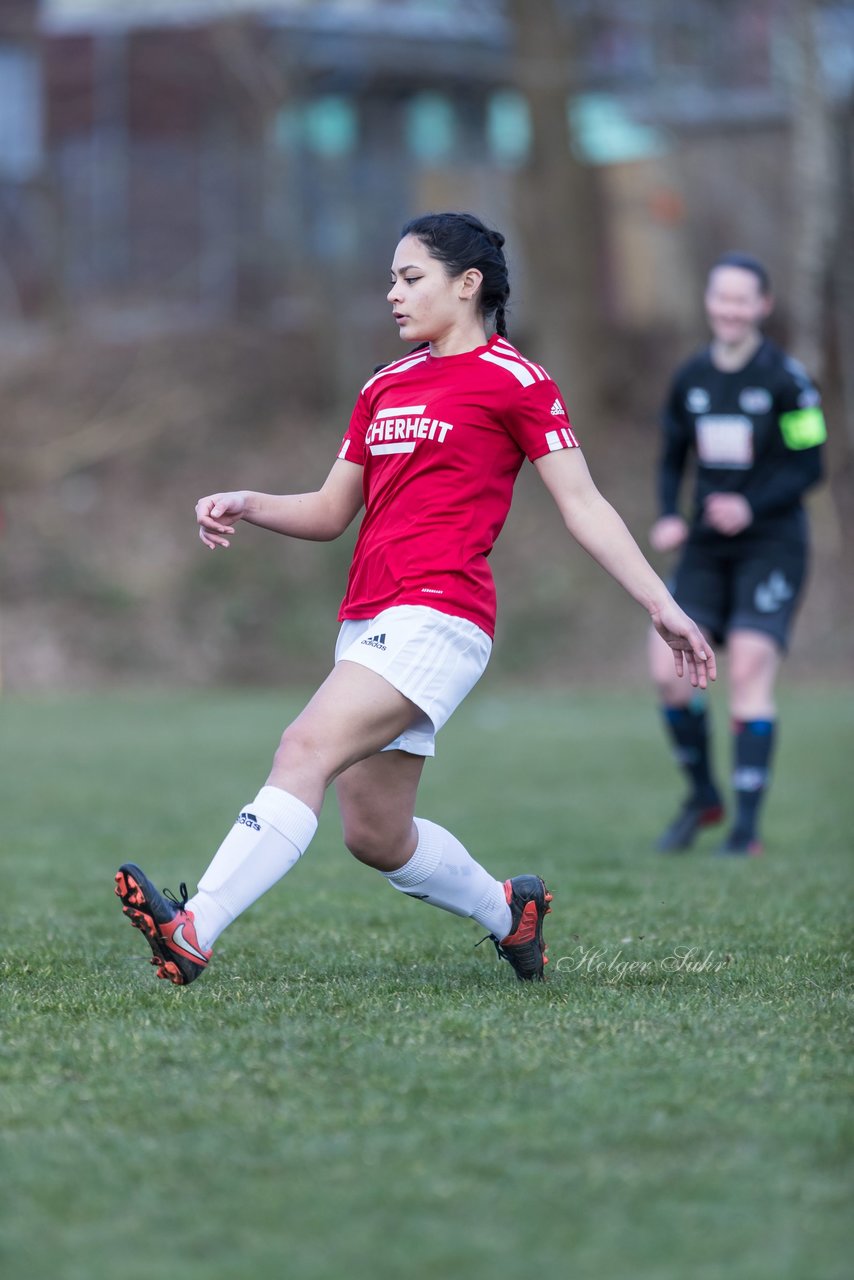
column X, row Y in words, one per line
column 376, row 642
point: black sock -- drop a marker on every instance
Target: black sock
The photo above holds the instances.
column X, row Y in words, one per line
column 689, row 731
column 753, row 746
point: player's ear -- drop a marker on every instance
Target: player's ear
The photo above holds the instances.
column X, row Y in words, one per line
column 470, row 282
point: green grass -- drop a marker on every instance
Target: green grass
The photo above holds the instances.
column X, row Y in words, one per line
column 354, row 1090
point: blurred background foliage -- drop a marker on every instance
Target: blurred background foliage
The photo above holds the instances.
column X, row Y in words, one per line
column 199, row 200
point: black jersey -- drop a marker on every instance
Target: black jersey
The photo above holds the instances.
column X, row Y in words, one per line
column 756, row 431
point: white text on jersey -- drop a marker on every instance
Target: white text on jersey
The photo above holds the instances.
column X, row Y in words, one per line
column 397, row 430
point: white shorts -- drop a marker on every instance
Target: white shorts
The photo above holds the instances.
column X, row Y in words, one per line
column 432, row 658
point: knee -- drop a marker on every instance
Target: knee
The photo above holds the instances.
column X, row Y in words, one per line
column 375, row 843
column 301, row 755
column 365, row 842
column 668, row 686
column 751, row 694
column 670, row 692
column 747, row 671
column 362, row 842
column 753, row 666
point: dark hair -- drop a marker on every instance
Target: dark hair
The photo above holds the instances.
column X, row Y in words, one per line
column 746, row 262
column 460, row 241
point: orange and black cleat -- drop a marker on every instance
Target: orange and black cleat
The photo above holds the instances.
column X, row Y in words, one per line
column 524, row 947
column 739, row 845
column 168, row 928
column 688, row 823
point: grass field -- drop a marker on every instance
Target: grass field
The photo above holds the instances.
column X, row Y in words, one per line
column 353, row 1090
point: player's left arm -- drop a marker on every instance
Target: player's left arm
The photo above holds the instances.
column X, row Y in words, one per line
column 600, row 530
column 798, row 458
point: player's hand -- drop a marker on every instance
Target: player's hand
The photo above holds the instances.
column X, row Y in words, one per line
column 690, row 647
column 727, row 513
column 668, row 533
column 217, row 514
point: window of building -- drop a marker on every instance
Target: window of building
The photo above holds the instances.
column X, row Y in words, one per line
column 331, row 127
column 326, row 126
column 431, row 127
column 20, row 113
column 508, row 128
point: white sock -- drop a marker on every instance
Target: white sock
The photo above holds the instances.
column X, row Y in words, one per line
column 268, row 838
column 442, row 872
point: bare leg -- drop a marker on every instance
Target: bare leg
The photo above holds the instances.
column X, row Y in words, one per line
column 377, row 802
column 754, row 661
column 354, row 713
column 418, row 857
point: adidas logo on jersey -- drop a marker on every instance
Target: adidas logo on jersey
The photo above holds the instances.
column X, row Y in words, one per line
column 376, row 642
column 557, row 408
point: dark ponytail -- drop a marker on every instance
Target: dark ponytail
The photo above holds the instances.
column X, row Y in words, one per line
column 460, row 241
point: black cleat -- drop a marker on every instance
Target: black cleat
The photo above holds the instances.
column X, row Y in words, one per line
column 523, row 947
column 168, row 928
column 687, row 824
column 737, row 845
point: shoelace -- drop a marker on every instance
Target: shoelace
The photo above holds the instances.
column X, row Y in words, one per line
column 185, row 897
column 490, row 937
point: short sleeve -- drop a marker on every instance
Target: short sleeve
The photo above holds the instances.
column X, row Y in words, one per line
column 353, row 445
column 538, row 420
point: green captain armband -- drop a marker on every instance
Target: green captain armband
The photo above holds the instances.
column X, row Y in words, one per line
column 803, row 428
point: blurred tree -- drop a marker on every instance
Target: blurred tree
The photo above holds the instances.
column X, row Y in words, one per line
column 557, row 211
column 814, row 197
column 842, row 279
column 258, row 82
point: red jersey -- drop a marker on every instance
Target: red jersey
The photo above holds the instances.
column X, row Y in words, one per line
column 441, row 440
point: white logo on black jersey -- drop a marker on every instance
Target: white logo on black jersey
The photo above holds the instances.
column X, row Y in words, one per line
column 797, row 370
column 755, row 399
column 697, row 400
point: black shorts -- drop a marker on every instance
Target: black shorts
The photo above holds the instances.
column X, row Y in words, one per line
column 754, row 584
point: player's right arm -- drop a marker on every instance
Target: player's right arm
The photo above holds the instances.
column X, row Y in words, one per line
column 671, row 529
column 316, row 517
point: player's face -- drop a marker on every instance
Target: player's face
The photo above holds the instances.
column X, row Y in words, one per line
column 425, row 300
column 735, row 305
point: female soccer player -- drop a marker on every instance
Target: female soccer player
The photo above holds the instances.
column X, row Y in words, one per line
column 752, row 420
column 432, row 451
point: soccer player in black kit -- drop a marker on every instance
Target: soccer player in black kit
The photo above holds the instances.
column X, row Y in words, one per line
column 750, row 419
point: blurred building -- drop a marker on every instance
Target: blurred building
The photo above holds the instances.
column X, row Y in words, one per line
column 171, row 168
column 178, row 161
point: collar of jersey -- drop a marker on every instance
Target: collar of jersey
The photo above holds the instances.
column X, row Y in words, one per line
column 463, row 355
